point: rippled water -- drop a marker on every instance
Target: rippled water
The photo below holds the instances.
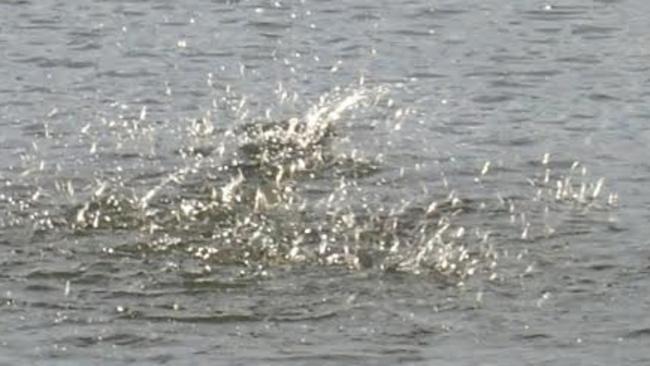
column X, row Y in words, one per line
column 319, row 182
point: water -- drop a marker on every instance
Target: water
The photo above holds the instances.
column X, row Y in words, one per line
column 300, row 182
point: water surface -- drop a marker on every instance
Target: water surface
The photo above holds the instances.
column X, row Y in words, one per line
column 319, row 182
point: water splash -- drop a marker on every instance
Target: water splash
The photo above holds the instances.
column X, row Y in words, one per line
column 261, row 192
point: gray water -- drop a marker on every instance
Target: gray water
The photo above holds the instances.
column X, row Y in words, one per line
column 321, row 182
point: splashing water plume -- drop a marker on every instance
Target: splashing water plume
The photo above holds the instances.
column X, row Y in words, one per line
column 264, row 193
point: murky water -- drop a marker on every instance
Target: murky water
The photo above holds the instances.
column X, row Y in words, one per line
column 320, row 182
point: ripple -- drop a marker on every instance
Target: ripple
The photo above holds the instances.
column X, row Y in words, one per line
column 46, row 62
column 216, row 318
column 558, row 13
column 121, row 74
column 594, row 31
column 638, row 333
column 493, row 98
